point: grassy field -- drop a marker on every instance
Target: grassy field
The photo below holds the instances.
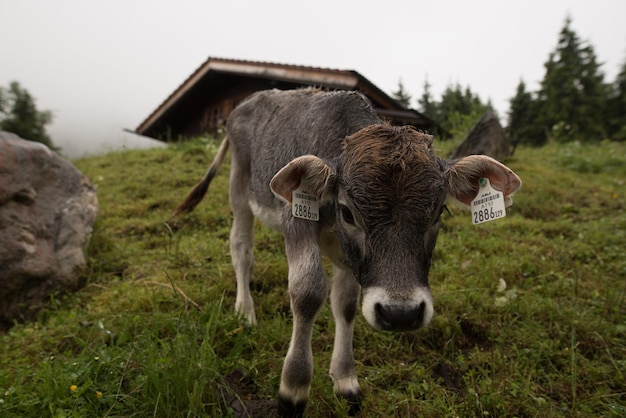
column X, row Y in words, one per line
column 530, row 311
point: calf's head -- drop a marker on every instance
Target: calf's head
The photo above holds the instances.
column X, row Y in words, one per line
column 388, row 190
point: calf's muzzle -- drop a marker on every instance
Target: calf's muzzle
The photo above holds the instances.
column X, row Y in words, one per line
column 406, row 312
column 400, row 317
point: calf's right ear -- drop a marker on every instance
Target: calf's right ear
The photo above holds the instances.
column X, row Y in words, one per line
column 314, row 171
column 463, row 176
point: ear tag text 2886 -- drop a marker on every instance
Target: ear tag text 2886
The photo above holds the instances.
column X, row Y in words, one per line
column 488, row 205
column 304, row 203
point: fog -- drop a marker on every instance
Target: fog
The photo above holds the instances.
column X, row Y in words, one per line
column 102, row 67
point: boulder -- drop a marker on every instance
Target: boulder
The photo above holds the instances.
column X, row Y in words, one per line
column 486, row 137
column 47, row 211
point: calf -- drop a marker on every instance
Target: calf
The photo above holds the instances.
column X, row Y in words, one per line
column 323, row 169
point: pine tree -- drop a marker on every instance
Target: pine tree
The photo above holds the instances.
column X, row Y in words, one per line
column 616, row 107
column 523, row 116
column 401, row 95
column 427, row 105
column 459, row 108
column 572, row 94
column 20, row 116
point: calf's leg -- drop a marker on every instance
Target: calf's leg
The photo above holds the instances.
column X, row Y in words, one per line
column 242, row 241
column 307, row 291
column 344, row 299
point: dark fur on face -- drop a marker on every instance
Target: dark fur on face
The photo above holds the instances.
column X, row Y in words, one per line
column 393, row 177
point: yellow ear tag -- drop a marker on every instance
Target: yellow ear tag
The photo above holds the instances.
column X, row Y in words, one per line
column 488, row 205
column 304, row 203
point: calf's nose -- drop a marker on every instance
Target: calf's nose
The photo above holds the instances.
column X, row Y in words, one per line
column 400, row 317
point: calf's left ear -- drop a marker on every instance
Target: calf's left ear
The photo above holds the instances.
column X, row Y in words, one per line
column 463, row 176
column 314, row 171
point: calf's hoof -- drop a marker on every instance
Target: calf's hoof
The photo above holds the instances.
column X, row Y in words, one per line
column 286, row 408
column 354, row 402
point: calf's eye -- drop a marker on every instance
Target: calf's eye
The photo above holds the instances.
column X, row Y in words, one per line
column 346, row 214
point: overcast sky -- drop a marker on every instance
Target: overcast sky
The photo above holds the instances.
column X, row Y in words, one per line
column 102, row 66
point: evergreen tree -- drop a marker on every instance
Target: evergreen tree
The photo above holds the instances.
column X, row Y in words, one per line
column 427, row 105
column 523, row 115
column 401, row 95
column 616, row 112
column 459, row 108
column 19, row 115
column 572, row 93
column 455, row 99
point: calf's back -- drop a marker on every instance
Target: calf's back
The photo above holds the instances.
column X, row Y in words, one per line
column 272, row 127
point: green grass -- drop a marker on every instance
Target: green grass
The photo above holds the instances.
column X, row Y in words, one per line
column 530, row 314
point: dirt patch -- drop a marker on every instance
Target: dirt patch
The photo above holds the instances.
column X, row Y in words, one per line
column 450, row 377
column 240, row 396
column 474, row 335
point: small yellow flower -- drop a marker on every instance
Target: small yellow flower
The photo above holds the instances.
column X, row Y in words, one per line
column 98, row 394
column 73, row 388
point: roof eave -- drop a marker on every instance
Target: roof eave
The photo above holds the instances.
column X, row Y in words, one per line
column 291, row 73
column 174, row 97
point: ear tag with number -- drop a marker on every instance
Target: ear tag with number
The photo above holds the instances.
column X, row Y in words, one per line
column 304, row 203
column 488, row 205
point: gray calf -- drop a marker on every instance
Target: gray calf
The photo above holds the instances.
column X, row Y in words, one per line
column 380, row 191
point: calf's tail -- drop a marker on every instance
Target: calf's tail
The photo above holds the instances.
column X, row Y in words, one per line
column 196, row 195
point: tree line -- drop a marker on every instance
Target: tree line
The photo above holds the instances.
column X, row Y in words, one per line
column 573, row 101
column 19, row 115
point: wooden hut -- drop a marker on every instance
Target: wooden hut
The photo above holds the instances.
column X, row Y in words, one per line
column 204, row 100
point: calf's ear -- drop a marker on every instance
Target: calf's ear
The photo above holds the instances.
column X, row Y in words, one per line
column 314, row 171
column 463, row 176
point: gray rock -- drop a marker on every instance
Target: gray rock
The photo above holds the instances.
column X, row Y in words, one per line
column 486, row 137
column 47, row 211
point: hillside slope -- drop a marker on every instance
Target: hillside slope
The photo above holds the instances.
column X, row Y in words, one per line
column 529, row 320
